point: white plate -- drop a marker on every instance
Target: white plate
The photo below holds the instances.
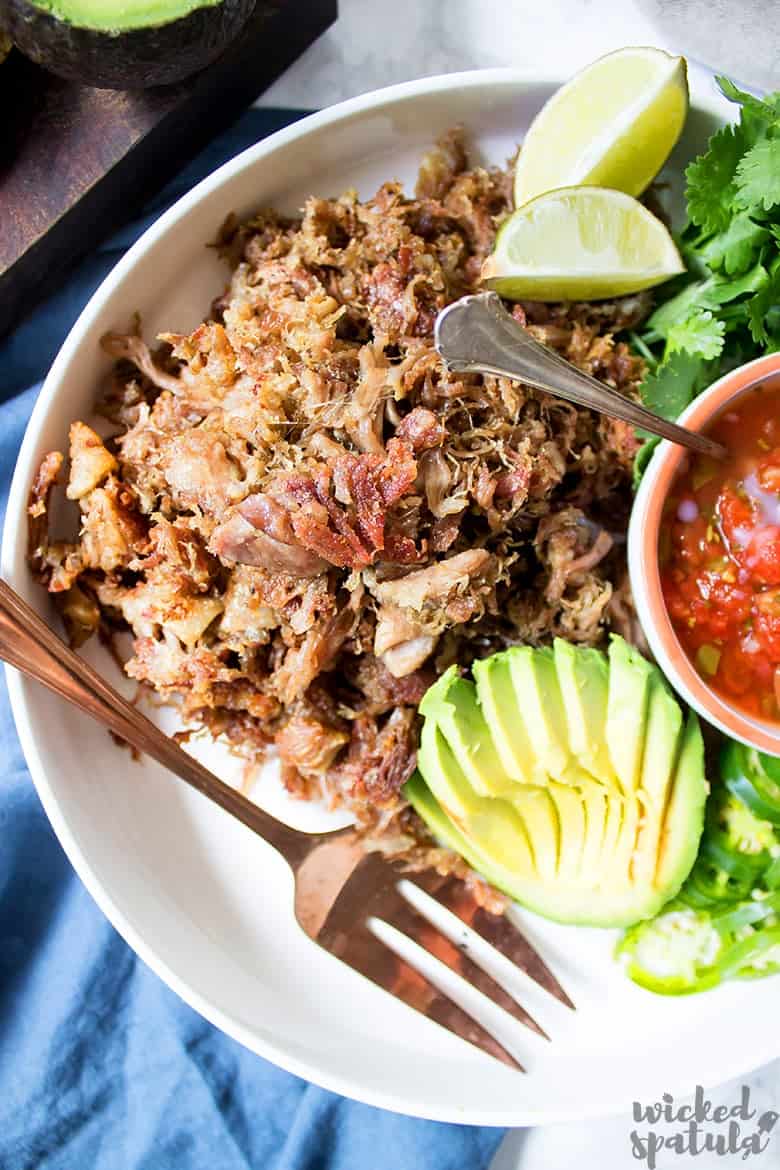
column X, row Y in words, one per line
column 205, row 903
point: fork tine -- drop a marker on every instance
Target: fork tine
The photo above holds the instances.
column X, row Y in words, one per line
column 411, row 921
column 370, row 893
column 372, row 957
column 495, row 929
column 437, row 973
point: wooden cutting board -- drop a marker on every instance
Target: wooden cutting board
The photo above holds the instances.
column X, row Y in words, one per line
column 76, row 162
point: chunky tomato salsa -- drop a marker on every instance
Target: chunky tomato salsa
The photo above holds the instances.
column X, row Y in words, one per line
column 720, row 556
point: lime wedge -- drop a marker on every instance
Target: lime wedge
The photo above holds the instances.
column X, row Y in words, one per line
column 580, row 244
column 613, row 125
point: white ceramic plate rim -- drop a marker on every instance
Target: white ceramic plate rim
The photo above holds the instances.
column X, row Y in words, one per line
column 15, row 515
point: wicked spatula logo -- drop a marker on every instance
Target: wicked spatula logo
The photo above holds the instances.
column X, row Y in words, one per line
column 699, row 1128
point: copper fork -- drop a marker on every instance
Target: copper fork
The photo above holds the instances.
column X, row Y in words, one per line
column 345, row 898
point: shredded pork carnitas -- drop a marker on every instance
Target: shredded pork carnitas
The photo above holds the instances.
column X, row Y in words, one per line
column 303, row 517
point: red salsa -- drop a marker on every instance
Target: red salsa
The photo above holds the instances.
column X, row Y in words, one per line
column 720, row 556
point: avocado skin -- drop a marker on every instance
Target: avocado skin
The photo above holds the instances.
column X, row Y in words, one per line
column 137, row 58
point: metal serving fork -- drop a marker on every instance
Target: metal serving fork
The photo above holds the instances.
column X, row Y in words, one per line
column 340, row 890
column 476, row 335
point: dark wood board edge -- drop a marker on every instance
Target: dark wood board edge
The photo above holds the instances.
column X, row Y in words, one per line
column 160, row 153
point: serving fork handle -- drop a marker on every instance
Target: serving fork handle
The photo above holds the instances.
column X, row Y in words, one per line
column 29, row 645
column 338, row 886
column 476, row 335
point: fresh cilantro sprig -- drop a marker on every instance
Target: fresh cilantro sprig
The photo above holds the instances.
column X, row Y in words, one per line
column 726, row 308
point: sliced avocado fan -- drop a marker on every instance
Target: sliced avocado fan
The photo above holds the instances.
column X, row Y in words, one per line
column 567, row 777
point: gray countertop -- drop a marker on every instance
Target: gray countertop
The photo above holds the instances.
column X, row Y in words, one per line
column 379, row 42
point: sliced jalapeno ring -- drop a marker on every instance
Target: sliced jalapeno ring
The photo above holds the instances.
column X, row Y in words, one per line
column 770, row 878
column 748, row 958
column 742, row 787
column 765, row 786
column 716, row 848
column 729, row 920
column 712, row 881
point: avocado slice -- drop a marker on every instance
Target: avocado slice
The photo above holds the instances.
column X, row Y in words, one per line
column 617, row 866
column 605, row 850
column 662, row 740
column 597, row 804
column 589, row 811
column 575, row 902
column 613, row 823
column 659, row 762
column 496, row 694
column 629, row 684
column 542, row 824
column 573, row 821
column 539, row 702
column 684, row 817
column 447, row 781
column 583, row 676
column 445, row 831
column 438, row 821
column 132, row 45
column 476, row 816
column 452, row 704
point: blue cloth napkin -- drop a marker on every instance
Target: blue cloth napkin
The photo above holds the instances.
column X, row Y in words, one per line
column 79, row 1089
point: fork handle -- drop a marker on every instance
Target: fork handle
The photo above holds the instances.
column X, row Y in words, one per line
column 476, row 335
column 29, row 645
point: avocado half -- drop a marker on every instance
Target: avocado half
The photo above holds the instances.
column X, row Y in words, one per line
column 124, row 44
column 566, row 777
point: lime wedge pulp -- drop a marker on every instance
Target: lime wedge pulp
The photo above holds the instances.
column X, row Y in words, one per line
column 580, row 244
column 613, row 125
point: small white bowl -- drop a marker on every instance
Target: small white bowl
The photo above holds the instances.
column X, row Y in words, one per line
column 643, row 564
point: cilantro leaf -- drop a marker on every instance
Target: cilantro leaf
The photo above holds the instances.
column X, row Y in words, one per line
column 667, row 390
column 670, row 388
column 690, row 298
column 642, row 458
column 712, row 293
column 762, row 310
column 739, row 167
column 710, row 180
column 702, row 334
column 758, row 176
column 735, row 249
column 725, row 310
column 766, row 108
column 756, row 313
column 720, row 291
